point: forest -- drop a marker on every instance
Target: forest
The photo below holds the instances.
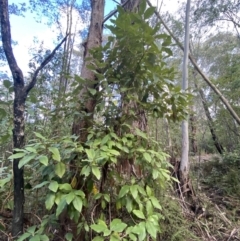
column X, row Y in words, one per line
column 125, row 127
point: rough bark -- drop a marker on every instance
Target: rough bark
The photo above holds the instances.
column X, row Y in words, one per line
column 87, row 103
column 205, row 78
column 94, row 39
column 20, row 94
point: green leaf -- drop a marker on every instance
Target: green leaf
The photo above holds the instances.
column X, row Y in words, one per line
column 100, row 227
column 139, row 214
column 167, row 50
column 129, row 204
column 132, row 236
column 44, row 238
column 43, row 160
column 142, row 235
column 117, row 225
column 155, row 203
column 41, row 184
column 115, row 237
column 69, row 236
column 96, row 172
column 65, row 187
column 147, row 157
column 142, row 7
column 79, row 193
column 17, row 155
column 124, row 190
column 69, row 198
column 24, row 236
column 149, row 12
column 98, row 238
column 114, row 152
column 56, row 155
column 35, row 238
column 25, row 160
column 77, row 203
column 60, row 207
column 106, row 232
column 134, row 191
column 140, row 133
column 31, row 149
column 85, row 171
column 32, row 229
column 53, row 186
column 7, row 83
column 92, row 91
column 149, row 191
column 105, row 139
column 90, row 154
column 149, row 208
column 107, row 197
column 151, row 229
column 141, row 190
column 60, row 169
column 155, row 174
column 39, row 136
column 50, row 201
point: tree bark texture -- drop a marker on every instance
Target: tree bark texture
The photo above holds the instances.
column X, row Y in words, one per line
column 20, row 94
column 87, row 103
column 18, row 110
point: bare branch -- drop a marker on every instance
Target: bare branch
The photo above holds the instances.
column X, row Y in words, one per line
column 7, row 46
column 43, row 64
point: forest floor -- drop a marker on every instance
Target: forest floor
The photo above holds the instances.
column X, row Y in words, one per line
column 216, row 182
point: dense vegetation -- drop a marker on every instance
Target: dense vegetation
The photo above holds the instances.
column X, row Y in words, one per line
column 91, row 144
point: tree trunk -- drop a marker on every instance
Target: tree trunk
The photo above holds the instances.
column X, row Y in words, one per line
column 94, row 40
column 209, row 118
column 184, row 163
column 193, row 128
column 87, row 103
column 20, row 94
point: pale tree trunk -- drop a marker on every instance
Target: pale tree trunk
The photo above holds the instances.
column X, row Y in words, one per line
column 20, row 94
column 184, row 163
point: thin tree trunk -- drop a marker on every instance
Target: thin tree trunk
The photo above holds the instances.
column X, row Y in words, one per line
column 184, row 163
column 209, row 118
column 20, row 94
column 193, row 128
